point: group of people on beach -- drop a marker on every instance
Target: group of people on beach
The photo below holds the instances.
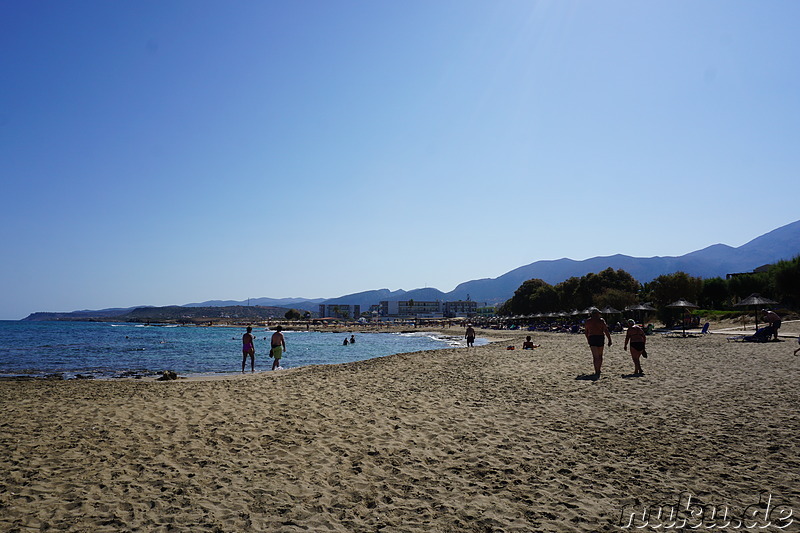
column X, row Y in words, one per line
column 277, row 348
column 596, row 331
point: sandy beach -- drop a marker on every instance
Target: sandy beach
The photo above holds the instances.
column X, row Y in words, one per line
column 476, row 440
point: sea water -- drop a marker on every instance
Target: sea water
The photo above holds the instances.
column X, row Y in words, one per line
column 108, row 350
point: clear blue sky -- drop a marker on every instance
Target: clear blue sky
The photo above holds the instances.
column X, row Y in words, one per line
column 167, row 152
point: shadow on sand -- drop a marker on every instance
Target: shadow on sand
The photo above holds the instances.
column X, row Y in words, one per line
column 633, row 375
column 588, row 377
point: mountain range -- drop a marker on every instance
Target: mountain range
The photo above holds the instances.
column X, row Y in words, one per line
column 717, row 260
column 714, row 261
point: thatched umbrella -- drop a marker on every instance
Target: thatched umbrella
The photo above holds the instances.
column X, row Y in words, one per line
column 684, row 305
column 756, row 300
column 639, row 310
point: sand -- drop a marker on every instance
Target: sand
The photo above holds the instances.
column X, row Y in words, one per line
column 478, row 440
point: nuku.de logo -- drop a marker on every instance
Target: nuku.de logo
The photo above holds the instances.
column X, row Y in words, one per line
column 688, row 512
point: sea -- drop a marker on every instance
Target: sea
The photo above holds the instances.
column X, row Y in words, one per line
column 103, row 350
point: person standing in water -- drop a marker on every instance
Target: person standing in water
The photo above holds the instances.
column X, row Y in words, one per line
column 278, row 344
column 249, row 348
column 470, row 336
column 595, row 329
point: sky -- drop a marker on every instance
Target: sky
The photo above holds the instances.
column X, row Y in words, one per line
column 169, row 152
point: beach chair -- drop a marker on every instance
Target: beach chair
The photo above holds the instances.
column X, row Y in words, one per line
column 705, row 328
column 762, row 335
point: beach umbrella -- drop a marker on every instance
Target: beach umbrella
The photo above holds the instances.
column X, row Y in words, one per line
column 756, row 300
column 608, row 310
column 683, row 304
column 639, row 310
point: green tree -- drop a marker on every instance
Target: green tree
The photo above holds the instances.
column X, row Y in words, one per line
column 616, row 288
column 616, row 298
column 293, row 314
column 668, row 288
column 533, row 296
column 504, row 309
column 714, row 294
column 571, row 294
column 744, row 285
column 786, row 275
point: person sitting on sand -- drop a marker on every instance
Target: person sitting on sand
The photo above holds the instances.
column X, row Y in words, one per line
column 637, row 339
column 528, row 344
column 470, row 336
column 249, row 348
column 278, row 343
column 594, row 329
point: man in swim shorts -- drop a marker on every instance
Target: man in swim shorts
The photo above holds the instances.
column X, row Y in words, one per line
column 637, row 339
column 595, row 328
column 470, row 336
column 249, row 348
column 774, row 320
column 278, row 344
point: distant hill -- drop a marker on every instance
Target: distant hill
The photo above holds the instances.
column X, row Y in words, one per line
column 171, row 313
column 266, row 302
column 80, row 315
column 714, row 261
column 176, row 313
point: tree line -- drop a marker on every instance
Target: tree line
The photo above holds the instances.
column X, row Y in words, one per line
column 618, row 289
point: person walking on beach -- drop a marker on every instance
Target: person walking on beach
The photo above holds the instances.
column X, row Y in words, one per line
column 278, row 344
column 470, row 336
column 637, row 339
column 595, row 328
column 249, row 348
column 798, row 342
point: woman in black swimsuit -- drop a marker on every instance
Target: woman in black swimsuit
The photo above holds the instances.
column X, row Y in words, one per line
column 637, row 339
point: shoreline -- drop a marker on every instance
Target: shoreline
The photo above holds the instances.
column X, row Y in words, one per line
column 465, row 439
